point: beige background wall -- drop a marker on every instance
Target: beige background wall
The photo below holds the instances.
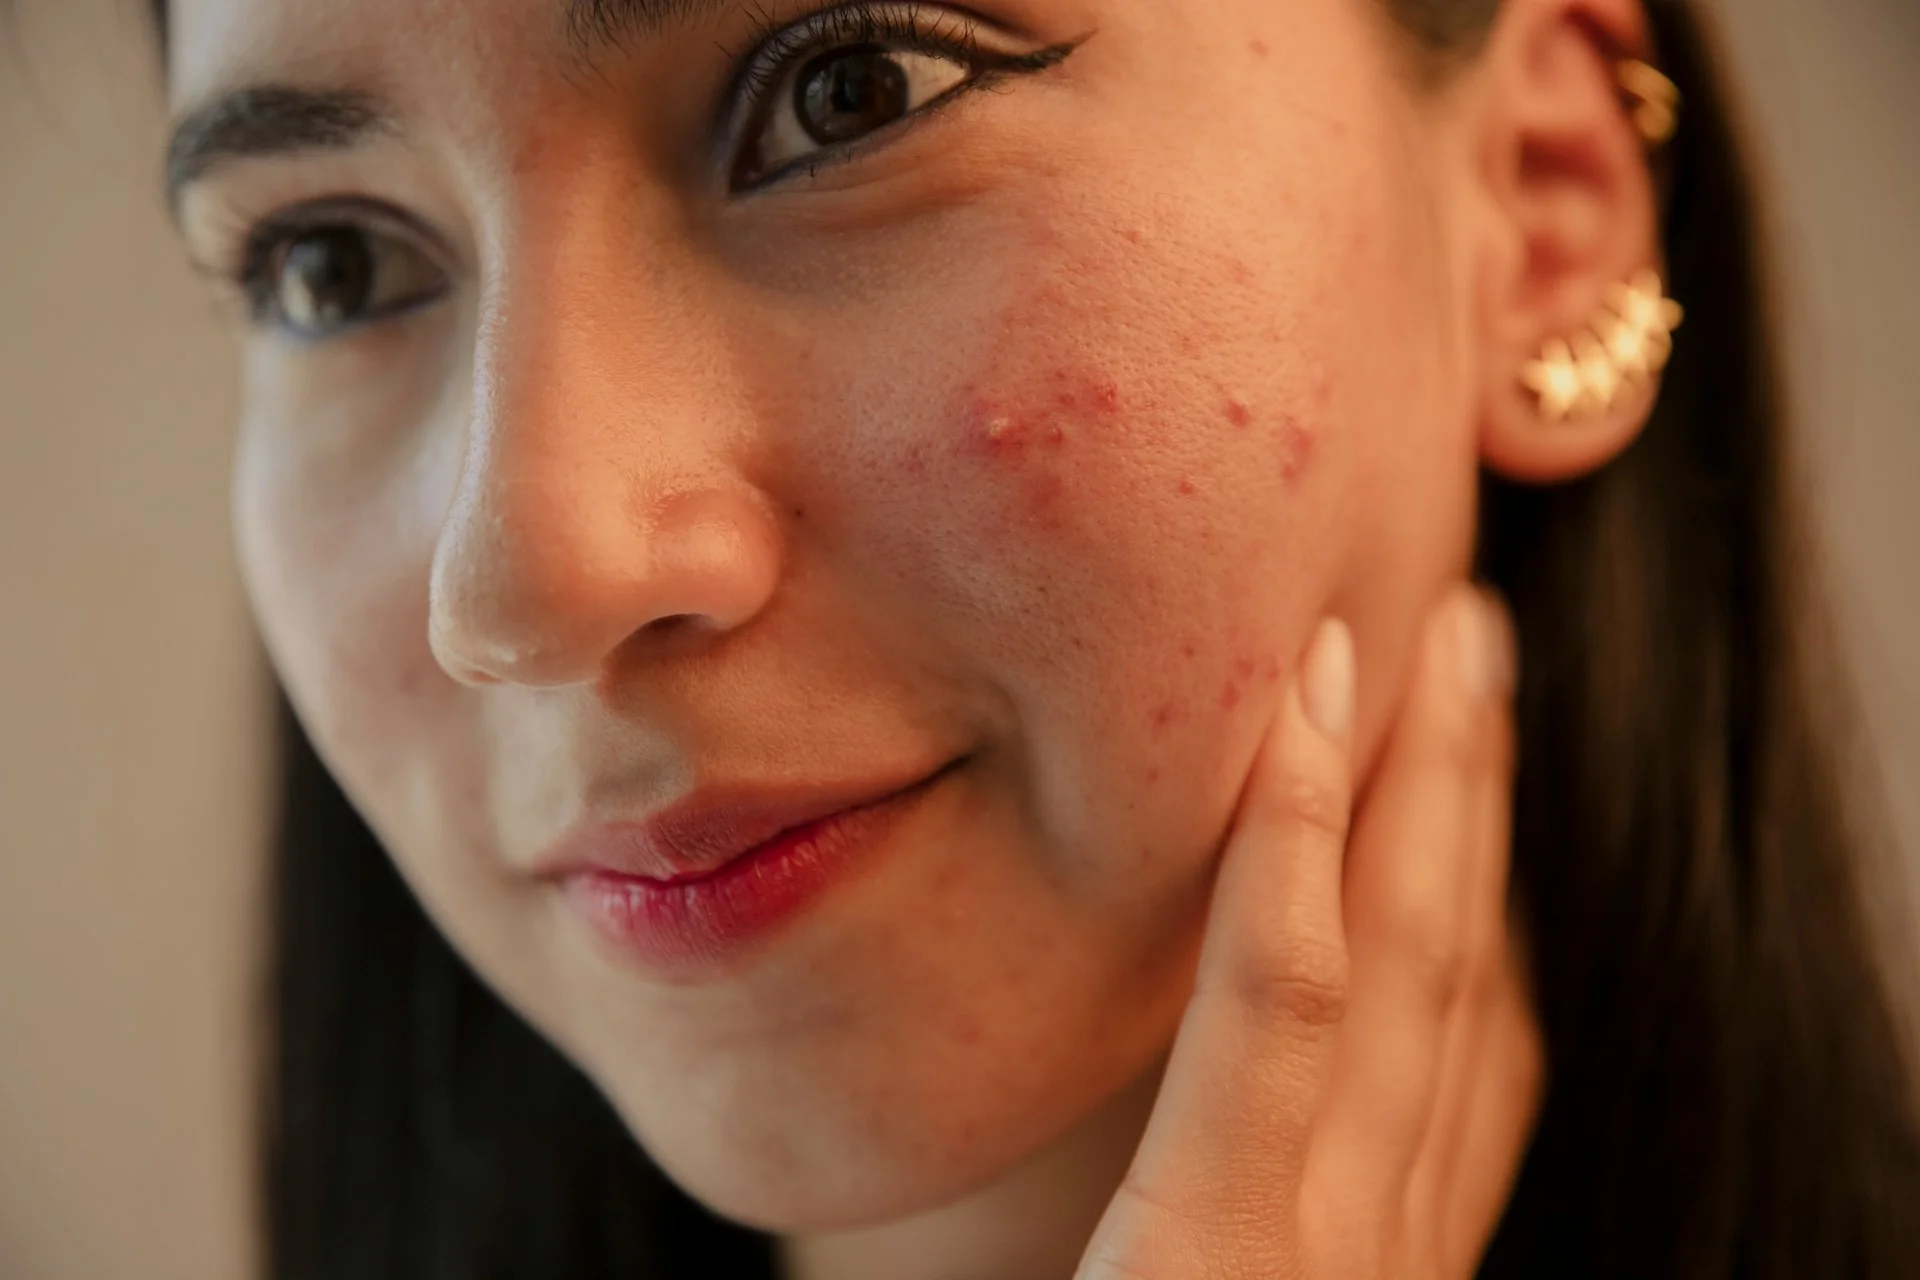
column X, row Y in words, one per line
column 130, row 735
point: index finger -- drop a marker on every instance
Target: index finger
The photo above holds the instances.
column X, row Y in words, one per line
column 1223, row 1151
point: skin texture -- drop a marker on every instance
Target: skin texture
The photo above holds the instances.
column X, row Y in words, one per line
column 1043, row 434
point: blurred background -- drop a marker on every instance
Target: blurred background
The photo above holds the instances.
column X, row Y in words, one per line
column 134, row 760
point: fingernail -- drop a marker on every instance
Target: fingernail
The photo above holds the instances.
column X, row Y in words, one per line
column 1506, row 644
column 1326, row 680
column 1483, row 645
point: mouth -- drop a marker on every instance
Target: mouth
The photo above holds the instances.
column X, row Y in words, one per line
column 694, row 884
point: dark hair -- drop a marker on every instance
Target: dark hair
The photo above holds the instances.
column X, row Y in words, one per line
column 1728, row 1092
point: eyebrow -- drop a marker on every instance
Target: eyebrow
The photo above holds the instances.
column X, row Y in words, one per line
column 277, row 120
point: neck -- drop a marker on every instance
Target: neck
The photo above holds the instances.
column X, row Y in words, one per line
column 1033, row 1221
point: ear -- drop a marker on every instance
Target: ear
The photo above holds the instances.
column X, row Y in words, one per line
column 1569, row 215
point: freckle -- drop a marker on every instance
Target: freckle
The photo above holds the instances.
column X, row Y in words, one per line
column 1185, row 485
column 1238, row 414
column 1258, row 48
column 799, row 513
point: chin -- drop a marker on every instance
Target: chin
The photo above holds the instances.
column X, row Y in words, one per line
column 796, row 1173
column 830, row 1159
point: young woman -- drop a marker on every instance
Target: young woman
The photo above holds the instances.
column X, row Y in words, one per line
column 884, row 585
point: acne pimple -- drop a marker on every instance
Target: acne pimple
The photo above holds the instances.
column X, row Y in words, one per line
column 1238, row 414
column 1230, row 696
column 1297, row 448
column 1258, row 48
column 1186, row 650
column 1185, row 486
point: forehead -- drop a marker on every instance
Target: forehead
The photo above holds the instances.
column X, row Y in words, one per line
column 368, row 44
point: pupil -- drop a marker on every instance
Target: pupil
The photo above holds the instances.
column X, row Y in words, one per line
column 848, row 93
column 327, row 276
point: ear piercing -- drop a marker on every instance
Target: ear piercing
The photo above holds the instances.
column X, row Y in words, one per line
column 1628, row 342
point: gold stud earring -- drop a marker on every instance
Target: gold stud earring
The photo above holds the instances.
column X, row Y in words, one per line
column 1626, row 344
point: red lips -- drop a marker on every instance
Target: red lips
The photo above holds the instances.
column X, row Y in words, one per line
column 692, row 885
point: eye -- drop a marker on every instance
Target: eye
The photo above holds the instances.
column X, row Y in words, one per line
column 843, row 95
column 321, row 279
column 813, row 90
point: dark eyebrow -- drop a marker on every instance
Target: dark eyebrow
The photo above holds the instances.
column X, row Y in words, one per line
column 266, row 121
column 592, row 27
column 277, row 120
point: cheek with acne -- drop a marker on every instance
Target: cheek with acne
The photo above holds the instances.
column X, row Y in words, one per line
column 1032, row 438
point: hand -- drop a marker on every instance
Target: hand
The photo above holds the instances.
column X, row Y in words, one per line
column 1353, row 1084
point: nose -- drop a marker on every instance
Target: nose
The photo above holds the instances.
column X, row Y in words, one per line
column 598, row 508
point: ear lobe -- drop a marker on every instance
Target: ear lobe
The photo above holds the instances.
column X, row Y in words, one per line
column 1574, row 216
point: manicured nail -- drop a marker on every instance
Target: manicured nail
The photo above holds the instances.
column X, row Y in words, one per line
column 1481, row 643
column 1327, row 679
column 1506, row 645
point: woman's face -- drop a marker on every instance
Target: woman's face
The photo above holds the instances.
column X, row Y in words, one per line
column 608, row 435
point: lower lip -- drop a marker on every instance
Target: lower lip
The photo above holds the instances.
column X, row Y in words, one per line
column 689, row 925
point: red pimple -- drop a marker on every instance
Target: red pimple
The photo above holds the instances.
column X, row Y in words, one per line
column 1162, row 716
column 1185, row 485
column 1153, row 775
column 1272, row 670
column 1238, row 414
column 1258, row 48
column 1229, row 696
column 1131, row 235
column 1296, row 450
column 1186, row 651
column 1243, row 669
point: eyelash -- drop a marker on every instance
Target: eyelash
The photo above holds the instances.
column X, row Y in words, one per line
column 776, row 50
column 779, row 49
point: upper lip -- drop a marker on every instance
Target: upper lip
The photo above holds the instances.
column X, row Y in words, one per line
column 712, row 826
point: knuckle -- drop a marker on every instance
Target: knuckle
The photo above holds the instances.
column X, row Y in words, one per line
column 1296, row 980
column 1315, row 806
column 1434, row 949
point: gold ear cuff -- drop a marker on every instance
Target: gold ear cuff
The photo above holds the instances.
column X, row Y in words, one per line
column 1654, row 100
column 1628, row 342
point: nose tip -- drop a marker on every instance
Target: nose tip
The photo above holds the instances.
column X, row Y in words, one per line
column 508, row 606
